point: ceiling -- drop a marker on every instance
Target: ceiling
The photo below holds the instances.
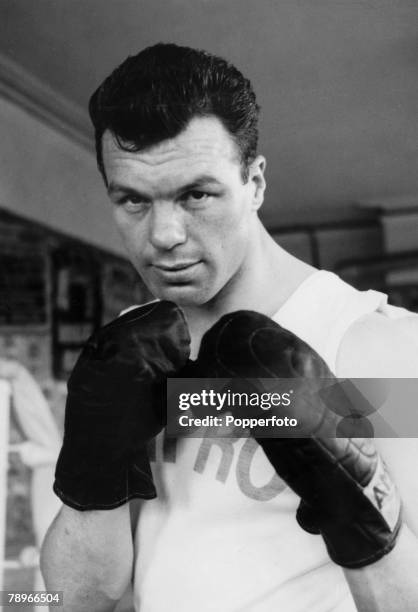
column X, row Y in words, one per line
column 337, row 81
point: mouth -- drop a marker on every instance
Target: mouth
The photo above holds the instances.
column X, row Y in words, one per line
column 177, row 267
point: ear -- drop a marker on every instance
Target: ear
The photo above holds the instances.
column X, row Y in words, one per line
column 257, row 180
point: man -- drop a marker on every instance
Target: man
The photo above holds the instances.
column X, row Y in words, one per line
column 176, row 139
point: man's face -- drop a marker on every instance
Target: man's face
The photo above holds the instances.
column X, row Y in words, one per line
column 185, row 215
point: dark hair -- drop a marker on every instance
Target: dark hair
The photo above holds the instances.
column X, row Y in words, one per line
column 153, row 95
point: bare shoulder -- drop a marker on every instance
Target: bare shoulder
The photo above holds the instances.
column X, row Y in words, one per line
column 376, row 346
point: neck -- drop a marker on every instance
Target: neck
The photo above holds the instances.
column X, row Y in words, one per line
column 264, row 282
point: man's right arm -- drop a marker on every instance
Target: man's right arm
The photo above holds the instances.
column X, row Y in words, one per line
column 115, row 406
column 89, row 556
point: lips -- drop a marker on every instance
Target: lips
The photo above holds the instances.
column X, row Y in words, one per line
column 175, row 267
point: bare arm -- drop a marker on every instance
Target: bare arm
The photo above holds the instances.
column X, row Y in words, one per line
column 388, row 349
column 390, row 583
column 89, row 556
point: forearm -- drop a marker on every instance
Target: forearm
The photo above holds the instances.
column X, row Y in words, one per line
column 390, row 583
column 89, row 556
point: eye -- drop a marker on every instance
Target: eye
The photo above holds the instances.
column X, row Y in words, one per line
column 132, row 203
column 196, row 196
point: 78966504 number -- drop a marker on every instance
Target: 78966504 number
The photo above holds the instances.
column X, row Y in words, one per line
column 45, row 598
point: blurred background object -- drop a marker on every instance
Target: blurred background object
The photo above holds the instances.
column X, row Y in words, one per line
column 30, row 444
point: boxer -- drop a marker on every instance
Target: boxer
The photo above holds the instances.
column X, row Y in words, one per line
column 176, row 133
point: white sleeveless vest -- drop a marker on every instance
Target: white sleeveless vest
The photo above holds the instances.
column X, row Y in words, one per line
column 222, row 535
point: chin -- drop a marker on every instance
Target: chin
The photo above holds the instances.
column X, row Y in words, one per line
column 186, row 296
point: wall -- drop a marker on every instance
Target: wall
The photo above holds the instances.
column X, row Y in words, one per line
column 49, row 178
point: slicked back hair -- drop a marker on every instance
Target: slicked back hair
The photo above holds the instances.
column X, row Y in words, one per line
column 152, row 96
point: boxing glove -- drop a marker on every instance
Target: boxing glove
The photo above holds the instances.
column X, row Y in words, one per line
column 116, row 404
column 346, row 492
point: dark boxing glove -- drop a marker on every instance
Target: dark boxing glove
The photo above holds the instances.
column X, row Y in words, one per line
column 116, row 404
column 347, row 494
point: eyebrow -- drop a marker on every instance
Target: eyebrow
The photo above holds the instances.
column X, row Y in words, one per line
column 117, row 188
column 200, row 181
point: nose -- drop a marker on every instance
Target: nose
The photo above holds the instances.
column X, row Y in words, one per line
column 167, row 226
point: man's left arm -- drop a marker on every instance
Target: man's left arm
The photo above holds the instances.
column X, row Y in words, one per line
column 376, row 347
